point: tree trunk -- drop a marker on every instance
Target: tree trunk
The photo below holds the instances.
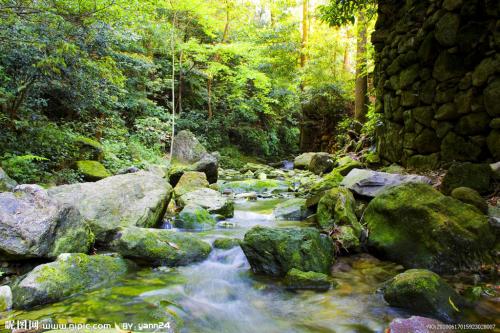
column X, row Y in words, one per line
column 181, row 77
column 209, row 92
column 347, row 60
column 361, row 99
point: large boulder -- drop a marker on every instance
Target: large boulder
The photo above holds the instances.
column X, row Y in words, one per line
column 472, row 175
column 292, row 209
column 423, row 292
column 417, row 226
column 159, row 246
column 371, row 183
column 296, row 279
column 134, row 199
column 68, row 275
column 190, row 181
column 6, row 183
column 34, row 225
column 208, row 199
column 92, row 170
column 303, row 160
column 276, row 251
column 187, row 148
column 194, row 217
column 321, row 163
column 208, row 164
column 254, row 185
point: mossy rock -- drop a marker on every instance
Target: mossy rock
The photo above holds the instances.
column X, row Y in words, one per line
column 254, row 185
column 471, row 197
column 346, row 164
column 274, row 251
column 226, row 243
column 423, row 292
column 89, row 148
column 303, row 160
column 194, row 217
column 159, row 246
column 472, row 175
column 331, row 180
column 209, row 199
column 296, row 279
column 291, row 209
column 92, row 170
column 417, row 226
column 336, row 208
column 68, row 275
column 190, row 181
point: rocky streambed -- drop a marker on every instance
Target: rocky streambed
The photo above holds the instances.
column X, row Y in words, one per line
column 333, row 248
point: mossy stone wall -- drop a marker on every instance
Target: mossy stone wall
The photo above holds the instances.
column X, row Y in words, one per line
column 437, row 67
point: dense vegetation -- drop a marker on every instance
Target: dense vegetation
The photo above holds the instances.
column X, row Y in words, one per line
column 101, row 74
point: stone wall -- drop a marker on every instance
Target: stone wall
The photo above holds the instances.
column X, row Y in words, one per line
column 437, row 81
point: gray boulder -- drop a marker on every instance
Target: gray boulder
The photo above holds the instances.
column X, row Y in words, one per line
column 34, row 225
column 371, row 183
column 159, row 246
column 321, row 163
column 209, row 164
column 6, row 183
column 187, row 148
column 135, row 199
column 303, row 160
column 208, row 199
column 68, row 275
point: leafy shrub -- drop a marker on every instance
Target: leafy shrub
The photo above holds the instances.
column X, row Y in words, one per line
column 25, row 169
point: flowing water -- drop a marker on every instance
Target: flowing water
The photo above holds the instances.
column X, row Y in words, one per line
column 222, row 295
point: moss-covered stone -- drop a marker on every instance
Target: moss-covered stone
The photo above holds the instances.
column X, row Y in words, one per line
column 297, row 279
column 346, row 164
column 303, row 160
column 447, row 29
column 448, row 111
column 254, row 185
column 471, row 197
column 417, row 226
column 190, row 181
column 423, row 162
column 92, row 170
column 424, row 292
column 90, row 149
column 194, row 217
column 491, row 98
column 472, row 124
column 331, row 180
column 209, row 199
column 493, row 146
column 321, row 163
column 276, row 251
column 447, row 66
column 159, row 246
column 473, row 175
column 336, row 208
column 226, row 243
column 292, row 209
column 68, row 275
column 457, row 148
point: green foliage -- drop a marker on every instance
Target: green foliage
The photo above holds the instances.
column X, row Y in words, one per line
column 342, row 12
column 24, row 168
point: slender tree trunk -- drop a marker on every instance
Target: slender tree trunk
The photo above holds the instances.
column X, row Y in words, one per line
column 361, row 99
column 172, row 45
column 347, row 59
column 209, row 92
column 181, row 78
column 226, row 26
column 305, row 32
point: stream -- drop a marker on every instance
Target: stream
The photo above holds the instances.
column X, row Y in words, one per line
column 222, row 295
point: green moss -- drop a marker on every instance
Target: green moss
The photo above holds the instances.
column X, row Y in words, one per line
column 85, row 141
column 336, row 208
column 276, row 251
column 92, row 170
column 346, row 164
column 226, row 243
column 424, row 292
column 331, row 180
column 156, row 246
column 297, row 279
column 190, row 181
column 417, row 226
column 471, row 197
column 254, row 185
column 194, row 218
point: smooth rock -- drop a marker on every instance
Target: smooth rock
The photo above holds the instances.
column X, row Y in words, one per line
column 68, row 275
column 194, row 217
column 211, row 200
column 371, row 183
column 135, row 199
column 159, row 246
column 190, row 181
column 296, row 279
column 187, row 148
column 292, row 209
